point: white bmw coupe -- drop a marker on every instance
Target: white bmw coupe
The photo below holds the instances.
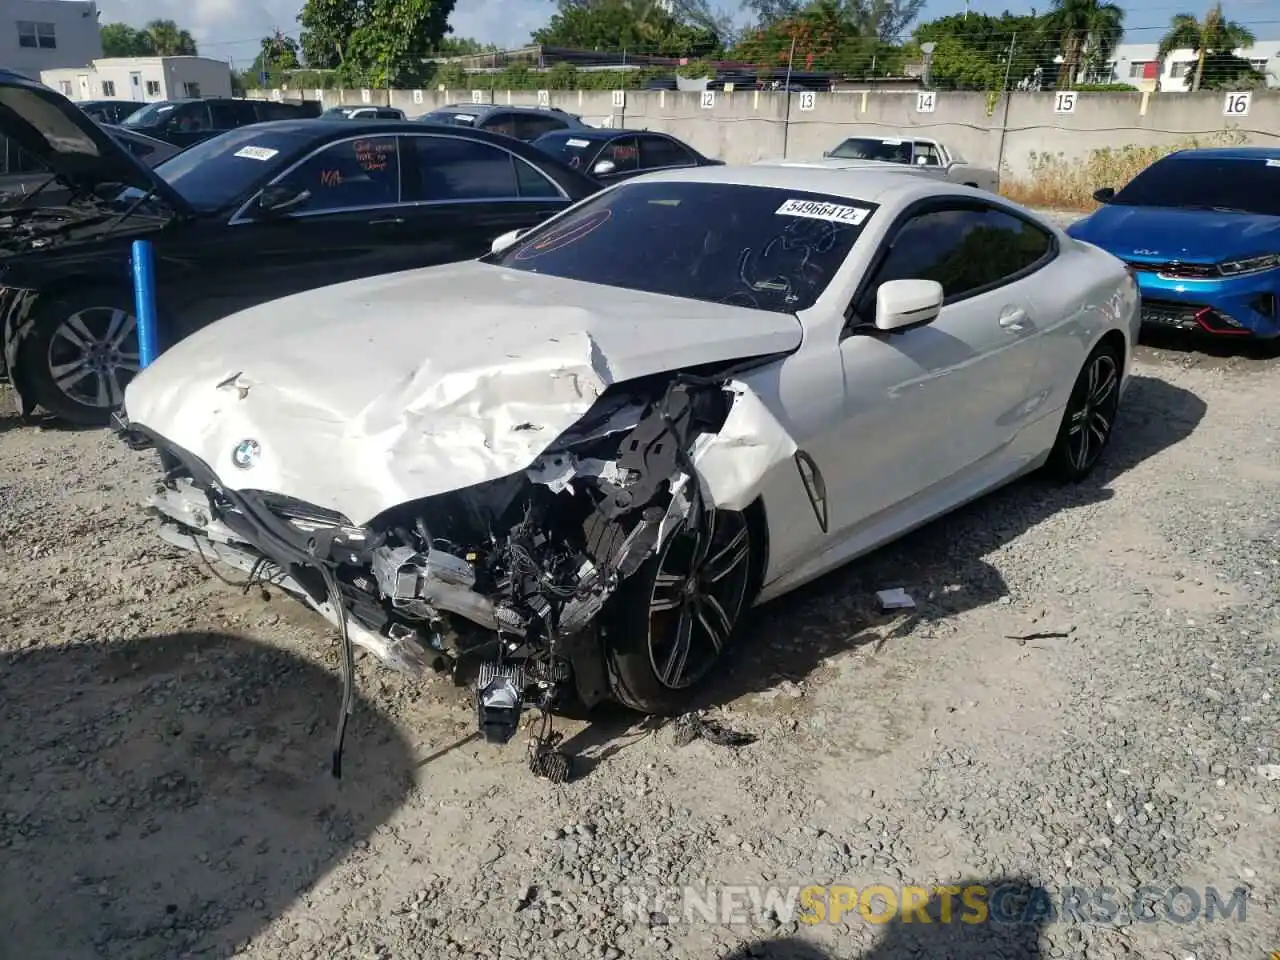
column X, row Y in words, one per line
column 577, row 461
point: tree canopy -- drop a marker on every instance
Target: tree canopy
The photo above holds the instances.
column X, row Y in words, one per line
column 373, row 41
column 1214, row 40
column 641, row 26
column 159, row 38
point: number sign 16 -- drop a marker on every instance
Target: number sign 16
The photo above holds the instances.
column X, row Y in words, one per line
column 1236, row 104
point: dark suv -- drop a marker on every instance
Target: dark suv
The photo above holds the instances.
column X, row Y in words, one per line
column 184, row 122
column 523, row 123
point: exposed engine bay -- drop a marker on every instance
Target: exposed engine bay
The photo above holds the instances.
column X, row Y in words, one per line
column 514, row 572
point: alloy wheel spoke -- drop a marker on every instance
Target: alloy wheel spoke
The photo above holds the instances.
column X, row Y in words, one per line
column 667, row 592
column 113, row 386
column 714, row 620
column 1100, row 426
column 67, row 375
column 681, row 641
column 122, row 325
column 1082, row 455
column 1104, row 387
column 728, row 558
column 75, row 324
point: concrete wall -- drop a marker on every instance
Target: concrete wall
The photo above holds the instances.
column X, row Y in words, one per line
column 75, row 35
column 744, row 126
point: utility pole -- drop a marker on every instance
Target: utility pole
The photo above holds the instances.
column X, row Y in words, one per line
column 1008, row 96
column 786, row 122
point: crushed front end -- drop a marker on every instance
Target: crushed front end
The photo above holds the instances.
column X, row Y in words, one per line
column 511, row 574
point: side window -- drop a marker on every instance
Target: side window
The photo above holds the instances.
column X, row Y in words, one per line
column 450, row 168
column 229, row 114
column 504, row 123
column 661, row 152
column 927, row 155
column 533, row 183
column 190, row 117
column 530, row 126
column 353, row 173
column 623, row 153
column 964, row 250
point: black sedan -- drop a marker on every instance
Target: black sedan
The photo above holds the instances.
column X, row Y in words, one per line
column 251, row 215
column 609, row 155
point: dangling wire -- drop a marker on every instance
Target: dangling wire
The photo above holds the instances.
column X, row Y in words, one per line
column 348, row 667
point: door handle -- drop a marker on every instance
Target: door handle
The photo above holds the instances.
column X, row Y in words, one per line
column 1012, row 318
column 386, row 220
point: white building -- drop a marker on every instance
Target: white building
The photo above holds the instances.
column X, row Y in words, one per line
column 1135, row 63
column 37, row 35
column 143, row 79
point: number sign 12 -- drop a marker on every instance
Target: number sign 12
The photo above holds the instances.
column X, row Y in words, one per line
column 926, row 101
column 1064, row 101
column 708, row 99
column 544, row 98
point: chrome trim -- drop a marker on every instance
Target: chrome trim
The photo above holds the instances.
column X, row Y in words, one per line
column 239, row 217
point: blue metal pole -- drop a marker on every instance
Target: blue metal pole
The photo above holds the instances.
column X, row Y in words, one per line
column 144, row 296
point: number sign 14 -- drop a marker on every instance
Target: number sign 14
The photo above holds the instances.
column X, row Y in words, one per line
column 926, row 101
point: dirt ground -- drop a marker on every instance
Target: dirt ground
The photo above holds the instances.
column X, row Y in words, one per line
column 1086, row 696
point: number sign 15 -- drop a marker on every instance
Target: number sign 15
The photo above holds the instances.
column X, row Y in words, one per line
column 1064, row 101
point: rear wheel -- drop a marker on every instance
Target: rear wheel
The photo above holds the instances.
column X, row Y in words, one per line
column 669, row 624
column 1089, row 418
column 81, row 354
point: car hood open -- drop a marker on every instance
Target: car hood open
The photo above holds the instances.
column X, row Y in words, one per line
column 75, row 148
column 365, row 395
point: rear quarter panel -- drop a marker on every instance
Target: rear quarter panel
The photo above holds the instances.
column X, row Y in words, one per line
column 1085, row 293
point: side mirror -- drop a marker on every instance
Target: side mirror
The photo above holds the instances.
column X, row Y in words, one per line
column 505, row 242
column 604, row 168
column 277, row 198
column 1105, row 194
column 907, row 303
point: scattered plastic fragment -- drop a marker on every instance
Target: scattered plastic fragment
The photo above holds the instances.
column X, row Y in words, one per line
column 895, row 599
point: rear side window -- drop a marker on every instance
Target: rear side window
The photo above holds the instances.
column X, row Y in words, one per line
column 661, row 152
column 353, row 173
column 269, row 110
column 450, row 168
column 965, row 250
column 504, row 123
column 229, row 114
column 189, row 117
column 532, row 182
column 530, row 126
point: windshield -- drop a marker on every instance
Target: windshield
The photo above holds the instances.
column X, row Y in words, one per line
column 760, row 247
column 1249, row 185
column 340, row 113
column 572, row 149
column 150, row 115
column 868, row 148
column 216, row 172
column 448, row 116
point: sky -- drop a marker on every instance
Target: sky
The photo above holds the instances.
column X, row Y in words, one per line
column 230, row 29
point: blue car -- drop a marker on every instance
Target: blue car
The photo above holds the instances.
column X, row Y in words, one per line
column 1200, row 229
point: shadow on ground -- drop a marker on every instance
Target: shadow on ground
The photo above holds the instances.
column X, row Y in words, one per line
column 1239, row 350
column 171, row 794
column 1014, row 936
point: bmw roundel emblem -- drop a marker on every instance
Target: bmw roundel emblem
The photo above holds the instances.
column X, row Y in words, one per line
column 246, row 453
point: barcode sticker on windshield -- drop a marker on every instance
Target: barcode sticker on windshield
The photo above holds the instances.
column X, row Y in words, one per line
column 256, row 153
column 834, row 212
column 578, row 143
column 1273, row 163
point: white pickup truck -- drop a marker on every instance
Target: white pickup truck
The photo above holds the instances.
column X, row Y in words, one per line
column 924, row 156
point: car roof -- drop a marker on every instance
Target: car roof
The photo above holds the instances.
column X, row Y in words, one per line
column 603, row 133
column 868, row 185
column 1229, row 153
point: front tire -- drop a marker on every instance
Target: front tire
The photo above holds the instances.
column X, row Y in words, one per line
column 81, row 354
column 669, row 624
column 1089, row 417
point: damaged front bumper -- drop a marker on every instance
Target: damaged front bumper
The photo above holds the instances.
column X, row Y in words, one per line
column 512, row 567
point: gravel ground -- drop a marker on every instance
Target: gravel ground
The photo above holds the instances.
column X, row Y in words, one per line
column 165, row 790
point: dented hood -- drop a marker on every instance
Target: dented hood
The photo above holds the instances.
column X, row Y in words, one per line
column 364, row 395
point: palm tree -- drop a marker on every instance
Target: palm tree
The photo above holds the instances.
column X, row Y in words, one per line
column 170, row 41
column 1084, row 26
column 1213, row 35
